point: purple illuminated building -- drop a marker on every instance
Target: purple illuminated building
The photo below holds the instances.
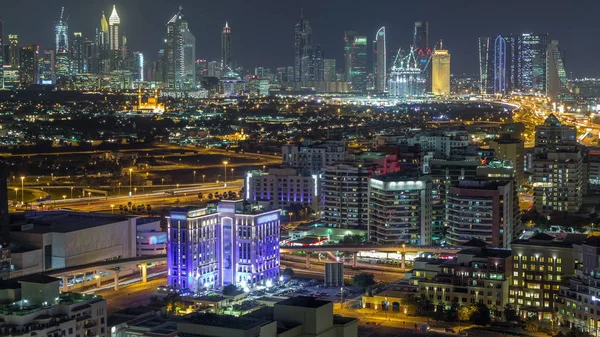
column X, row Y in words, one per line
column 224, row 243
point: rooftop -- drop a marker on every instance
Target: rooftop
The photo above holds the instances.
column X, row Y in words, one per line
column 401, row 176
column 66, row 221
column 303, row 301
column 223, row 321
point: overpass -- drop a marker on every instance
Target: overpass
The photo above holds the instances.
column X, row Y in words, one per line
column 400, row 249
column 111, row 266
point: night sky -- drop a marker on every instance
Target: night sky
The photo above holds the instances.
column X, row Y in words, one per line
column 263, row 30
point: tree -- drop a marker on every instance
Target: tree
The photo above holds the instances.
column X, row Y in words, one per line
column 439, row 312
column 452, row 312
column 352, row 239
column 148, row 207
column 480, row 315
column 200, row 196
column 531, row 325
column 210, row 196
column 363, row 280
column 510, row 314
column 574, row 332
column 465, row 313
column 229, row 290
column 288, row 272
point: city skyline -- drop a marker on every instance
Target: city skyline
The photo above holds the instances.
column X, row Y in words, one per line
column 143, row 25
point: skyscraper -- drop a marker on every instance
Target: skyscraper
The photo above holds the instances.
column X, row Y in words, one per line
column 1, row 55
column 46, row 68
column 380, row 60
column 61, row 30
column 101, row 63
column 77, row 53
column 226, row 49
column 114, row 24
column 28, row 67
column 441, row 72
column 531, row 66
column 318, row 64
column 556, row 82
column 13, row 50
column 484, row 61
column 500, row 70
column 180, row 57
column 138, row 66
column 303, row 57
column 355, row 54
column 329, row 70
column 421, row 35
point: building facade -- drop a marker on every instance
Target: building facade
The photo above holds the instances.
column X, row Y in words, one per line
column 441, row 72
column 400, row 209
column 227, row 244
column 283, row 187
column 314, row 157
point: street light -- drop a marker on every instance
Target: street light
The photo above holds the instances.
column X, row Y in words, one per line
column 162, row 182
column 130, row 172
column 135, row 190
column 112, row 209
column 194, row 177
column 64, row 197
column 71, row 192
column 17, row 194
column 22, row 190
column 225, row 180
column 203, row 176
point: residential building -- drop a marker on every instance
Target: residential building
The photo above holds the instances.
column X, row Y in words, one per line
column 283, row 187
column 400, row 208
column 480, row 209
column 552, row 133
column 578, row 301
column 230, row 242
column 314, row 157
column 539, row 264
column 34, row 306
column 508, row 148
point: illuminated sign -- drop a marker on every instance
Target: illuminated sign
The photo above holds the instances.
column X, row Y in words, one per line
column 267, row 218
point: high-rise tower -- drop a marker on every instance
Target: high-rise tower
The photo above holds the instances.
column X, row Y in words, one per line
column 13, row 50
column 380, row 60
column 77, row 53
column 303, row 51
column 114, row 35
column 440, row 72
column 180, row 58
column 484, row 64
column 101, row 62
column 61, row 30
column 348, row 42
column 556, row 83
column 1, row 55
column 421, row 35
column 226, row 49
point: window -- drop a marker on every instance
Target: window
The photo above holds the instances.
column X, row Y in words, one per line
column 559, row 260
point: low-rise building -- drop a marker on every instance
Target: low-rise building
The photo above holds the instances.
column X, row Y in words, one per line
column 150, row 238
column 33, row 306
column 283, row 187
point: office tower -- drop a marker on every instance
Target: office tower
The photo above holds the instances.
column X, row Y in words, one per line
column 101, row 63
column 138, row 66
column 62, row 67
column 227, row 243
column 318, row 64
column 349, row 36
column 46, row 66
column 283, row 187
column 61, row 30
column 484, row 64
column 4, row 215
column 13, row 50
column 531, row 66
column 329, row 70
column 421, row 35
column 180, row 54
column 226, row 64
column 440, row 72
column 556, row 83
column 214, row 69
column 303, row 55
column 358, row 70
column 400, row 209
column 500, row 69
column 201, row 70
column 114, row 37
column 480, row 209
column 513, row 150
column 380, row 60
column 1, row 55
column 77, row 53
column 88, row 55
column 28, row 68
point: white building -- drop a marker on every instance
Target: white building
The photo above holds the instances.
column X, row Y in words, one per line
column 314, row 157
column 33, row 306
column 440, row 143
column 150, row 239
column 400, row 208
column 283, row 187
column 227, row 244
column 346, row 195
column 59, row 239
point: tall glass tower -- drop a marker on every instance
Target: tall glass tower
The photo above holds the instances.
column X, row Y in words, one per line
column 1, row 55
column 380, row 60
column 226, row 49
column 303, row 57
column 114, row 24
column 61, row 31
column 180, row 58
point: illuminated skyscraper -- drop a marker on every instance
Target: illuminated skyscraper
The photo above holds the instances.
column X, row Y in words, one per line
column 180, row 54
column 556, row 83
column 500, row 71
column 101, row 62
column 484, row 64
column 13, row 50
column 138, row 62
column 380, row 60
column 46, row 68
column 29, row 65
column 421, row 35
column 406, row 76
column 1, row 55
column 77, row 53
column 355, row 55
column 226, row 49
column 329, row 70
column 318, row 64
column 422, row 51
column 531, row 66
column 303, row 57
column 61, row 30
column 114, row 35
column 441, row 72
